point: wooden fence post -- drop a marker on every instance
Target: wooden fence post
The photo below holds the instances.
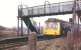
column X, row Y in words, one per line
column 32, row 38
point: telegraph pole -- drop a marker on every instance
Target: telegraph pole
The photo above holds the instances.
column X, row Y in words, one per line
column 73, row 25
column 75, row 29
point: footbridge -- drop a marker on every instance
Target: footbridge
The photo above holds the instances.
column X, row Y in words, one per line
column 48, row 9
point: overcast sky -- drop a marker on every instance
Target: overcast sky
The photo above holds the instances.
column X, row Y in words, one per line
column 8, row 10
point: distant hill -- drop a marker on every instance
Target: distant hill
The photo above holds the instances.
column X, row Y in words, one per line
column 2, row 28
column 6, row 32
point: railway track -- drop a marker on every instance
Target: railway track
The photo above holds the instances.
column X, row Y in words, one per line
column 11, row 42
column 12, row 45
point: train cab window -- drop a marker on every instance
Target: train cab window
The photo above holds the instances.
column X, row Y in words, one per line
column 52, row 25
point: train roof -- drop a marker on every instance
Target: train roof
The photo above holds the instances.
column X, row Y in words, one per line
column 55, row 20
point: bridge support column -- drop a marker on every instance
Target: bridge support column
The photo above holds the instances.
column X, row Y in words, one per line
column 20, row 27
